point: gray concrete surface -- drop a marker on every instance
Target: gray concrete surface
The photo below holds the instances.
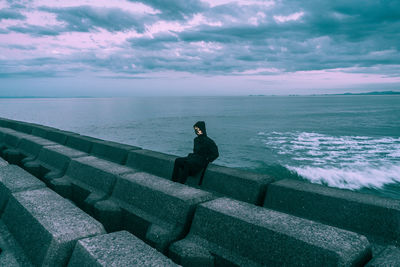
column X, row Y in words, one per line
column 226, row 231
column 156, row 210
column 47, row 226
column 112, row 151
column 237, row 184
column 52, row 162
column 390, row 257
column 363, row 213
column 88, row 180
column 28, row 149
column 14, row 179
column 81, row 142
column 116, row 249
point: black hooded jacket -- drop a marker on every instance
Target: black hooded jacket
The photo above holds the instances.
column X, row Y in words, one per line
column 204, row 149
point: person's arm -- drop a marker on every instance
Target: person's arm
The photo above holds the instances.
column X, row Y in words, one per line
column 213, row 152
column 195, row 145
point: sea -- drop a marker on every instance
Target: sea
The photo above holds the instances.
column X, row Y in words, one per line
column 342, row 141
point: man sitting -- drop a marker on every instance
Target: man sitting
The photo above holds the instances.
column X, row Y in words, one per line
column 204, row 151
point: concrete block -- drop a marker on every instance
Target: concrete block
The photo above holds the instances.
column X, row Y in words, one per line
column 28, row 149
column 88, row 180
column 3, row 163
column 6, row 123
column 47, row 226
column 112, row 151
column 12, row 254
column 59, row 136
column 24, row 127
column 153, row 162
column 116, row 249
column 14, row 179
column 234, row 183
column 41, row 131
column 81, row 142
column 156, row 210
column 388, row 257
column 241, row 185
column 228, row 232
column 52, row 162
column 370, row 215
column 10, row 139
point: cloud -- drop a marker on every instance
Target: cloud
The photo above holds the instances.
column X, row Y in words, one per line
column 291, row 17
column 7, row 13
column 176, row 9
column 209, row 38
column 36, row 30
column 87, row 18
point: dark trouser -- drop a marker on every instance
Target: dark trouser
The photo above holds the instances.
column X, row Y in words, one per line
column 182, row 169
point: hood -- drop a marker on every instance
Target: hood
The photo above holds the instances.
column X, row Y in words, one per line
column 202, row 126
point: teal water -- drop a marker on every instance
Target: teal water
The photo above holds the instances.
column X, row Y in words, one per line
column 348, row 142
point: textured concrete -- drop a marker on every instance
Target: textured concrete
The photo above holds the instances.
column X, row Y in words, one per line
column 81, row 142
column 41, row 131
column 12, row 254
column 88, row 180
column 112, row 151
column 59, row 136
column 47, row 226
column 24, row 127
column 366, row 214
column 52, row 162
column 28, row 149
column 237, row 184
column 11, row 140
column 390, row 257
column 14, row 179
column 6, row 123
column 154, row 209
column 3, row 163
column 116, row 249
column 226, row 231
column 153, row 162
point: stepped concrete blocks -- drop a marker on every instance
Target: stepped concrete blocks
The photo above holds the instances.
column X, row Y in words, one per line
column 28, row 149
column 388, row 257
column 52, row 162
column 116, row 249
column 6, row 123
column 154, row 209
column 59, row 136
column 11, row 139
column 241, row 185
column 24, row 127
column 237, row 184
column 81, row 142
column 88, row 180
column 47, row 226
column 238, row 233
column 366, row 214
column 41, row 131
column 156, row 163
column 14, row 179
column 112, row 151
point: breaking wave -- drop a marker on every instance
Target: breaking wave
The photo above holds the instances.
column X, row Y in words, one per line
column 351, row 162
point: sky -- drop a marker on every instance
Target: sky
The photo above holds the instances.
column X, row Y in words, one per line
column 198, row 47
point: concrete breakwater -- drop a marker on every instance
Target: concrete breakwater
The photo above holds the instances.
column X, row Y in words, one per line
column 68, row 199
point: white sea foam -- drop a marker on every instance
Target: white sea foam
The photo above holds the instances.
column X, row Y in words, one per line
column 349, row 162
column 350, row 178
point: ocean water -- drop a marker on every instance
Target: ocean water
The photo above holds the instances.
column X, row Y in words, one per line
column 345, row 141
